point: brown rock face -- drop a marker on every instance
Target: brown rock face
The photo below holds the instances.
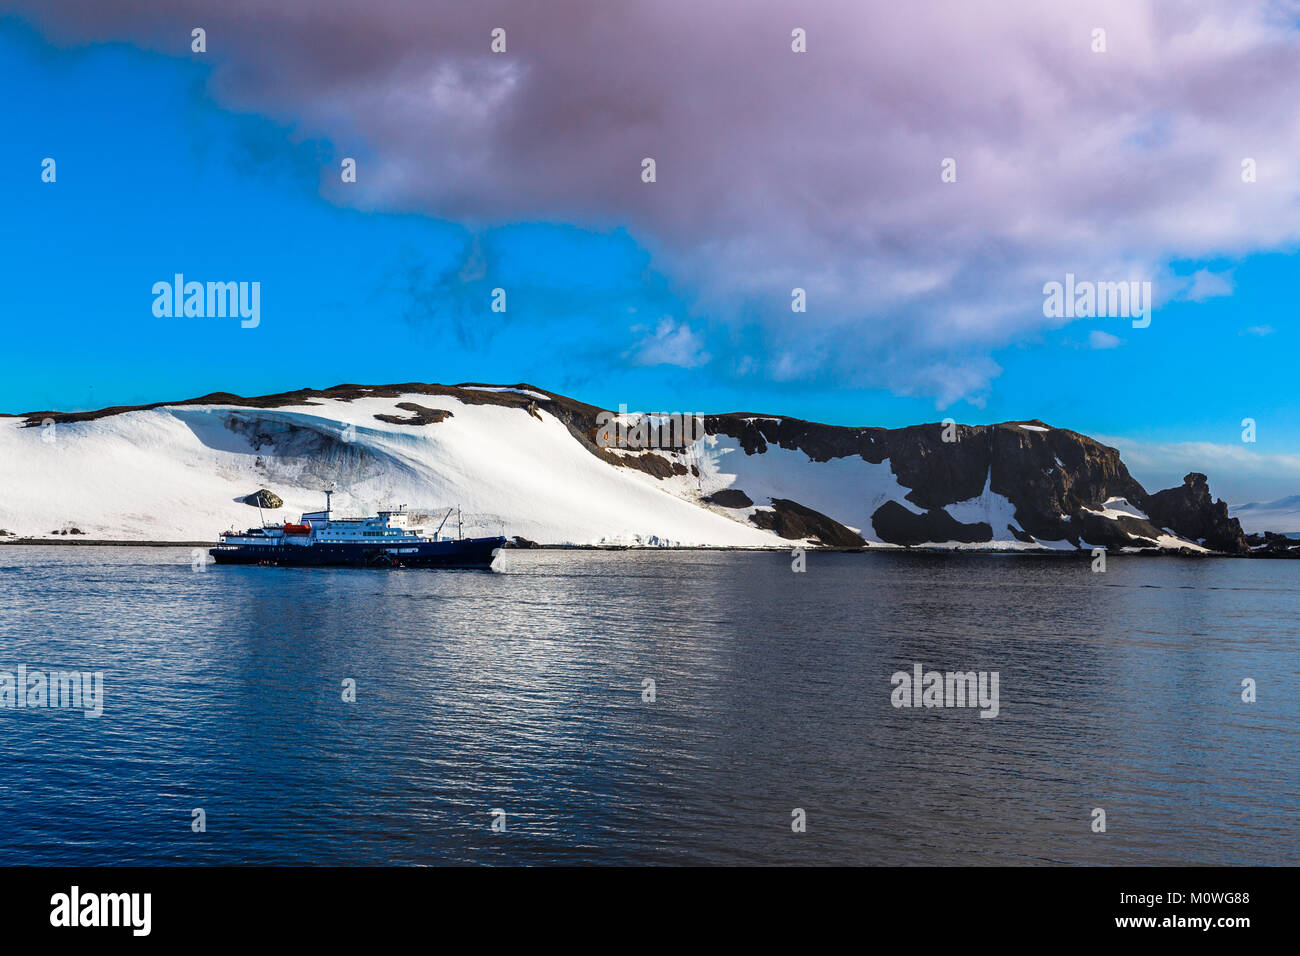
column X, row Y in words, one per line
column 1267, row 545
column 1191, row 512
column 730, row 498
column 895, row 523
column 792, row 520
column 1057, row 480
column 1049, row 474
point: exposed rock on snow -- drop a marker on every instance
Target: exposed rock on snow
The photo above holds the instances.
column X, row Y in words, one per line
column 419, row 415
column 729, row 498
column 263, row 499
column 1273, row 545
column 792, row 520
column 895, row 523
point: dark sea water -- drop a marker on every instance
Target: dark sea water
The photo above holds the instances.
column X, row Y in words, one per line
column 522, row 691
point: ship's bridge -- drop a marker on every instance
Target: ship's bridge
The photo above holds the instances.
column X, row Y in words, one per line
column 384, row 528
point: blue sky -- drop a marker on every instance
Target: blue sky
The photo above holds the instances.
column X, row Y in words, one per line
column 156, row 174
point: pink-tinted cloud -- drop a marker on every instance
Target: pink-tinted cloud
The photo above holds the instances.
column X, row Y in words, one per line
column 775, row 169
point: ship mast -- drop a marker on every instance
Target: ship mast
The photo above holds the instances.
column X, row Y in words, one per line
column 438, row 530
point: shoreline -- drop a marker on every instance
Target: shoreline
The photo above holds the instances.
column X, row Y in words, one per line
column 878, row 549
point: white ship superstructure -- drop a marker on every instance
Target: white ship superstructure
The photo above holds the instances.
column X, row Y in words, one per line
column 382, row 540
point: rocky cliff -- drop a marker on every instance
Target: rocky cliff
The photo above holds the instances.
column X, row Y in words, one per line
column 1059, row 481
column 1190, row 509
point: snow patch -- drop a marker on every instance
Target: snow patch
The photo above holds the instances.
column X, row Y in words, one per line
column 504, row 388
column 1113, row 508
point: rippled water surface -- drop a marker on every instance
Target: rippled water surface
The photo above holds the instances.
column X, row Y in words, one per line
column 522, row 691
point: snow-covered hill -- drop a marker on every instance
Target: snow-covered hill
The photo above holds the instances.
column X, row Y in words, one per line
column 525, row 462
column 1281, row 516
column 176, row 472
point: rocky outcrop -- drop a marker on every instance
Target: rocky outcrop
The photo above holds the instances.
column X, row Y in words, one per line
column 1052, row 475
column 1058, row 480
column 1273, row 545
column 1192, row 512
column 1123, row 531
column 263, row 499
column 729, row 498
column 419, row 415
column 896, row 524
column 792, row 520
column 652, row 463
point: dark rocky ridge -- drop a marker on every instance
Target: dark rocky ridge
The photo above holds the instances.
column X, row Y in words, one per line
column 1271, row 545
column 792, row 520
column 467, row 392
column 1055, row 478
column 419, row 415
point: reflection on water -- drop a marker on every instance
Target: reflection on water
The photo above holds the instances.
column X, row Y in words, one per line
column 523, row 691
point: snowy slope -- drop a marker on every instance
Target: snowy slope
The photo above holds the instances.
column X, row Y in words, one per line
column 174, row 473
column 1282, row 516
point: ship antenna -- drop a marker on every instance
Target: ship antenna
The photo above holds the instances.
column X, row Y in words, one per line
column 328, row 493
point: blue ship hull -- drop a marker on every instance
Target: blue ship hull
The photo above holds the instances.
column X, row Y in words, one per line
column 464, row 553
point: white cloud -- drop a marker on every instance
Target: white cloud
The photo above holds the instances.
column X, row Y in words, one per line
column 1238, row 473
column 671, row 343
column 1104, row 340
column 1204, row 284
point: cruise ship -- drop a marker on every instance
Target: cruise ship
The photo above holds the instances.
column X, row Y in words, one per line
column 382, row 541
